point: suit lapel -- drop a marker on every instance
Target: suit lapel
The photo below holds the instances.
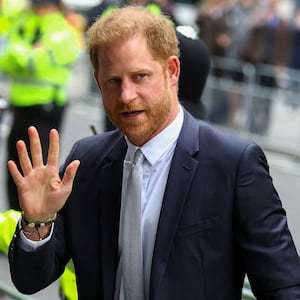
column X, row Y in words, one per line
column 110, row 189
column 180, row 176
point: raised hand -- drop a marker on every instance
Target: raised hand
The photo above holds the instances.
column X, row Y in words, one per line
column 41, row 191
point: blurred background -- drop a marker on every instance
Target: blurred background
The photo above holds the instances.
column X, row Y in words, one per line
column 252, row 88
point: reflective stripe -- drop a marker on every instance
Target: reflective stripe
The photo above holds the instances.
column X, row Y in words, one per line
column 31, row 65
column 52, row 58
column 29, row 81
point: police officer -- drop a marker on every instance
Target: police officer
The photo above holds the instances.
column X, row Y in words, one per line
column 38, row 56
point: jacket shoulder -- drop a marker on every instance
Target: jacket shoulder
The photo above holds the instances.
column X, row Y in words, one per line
column 97, row 146
column 221, row 138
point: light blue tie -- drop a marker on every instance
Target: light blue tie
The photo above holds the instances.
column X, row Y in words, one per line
column 131, row 237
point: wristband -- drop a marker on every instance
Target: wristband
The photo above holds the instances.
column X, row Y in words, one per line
column 38, row 223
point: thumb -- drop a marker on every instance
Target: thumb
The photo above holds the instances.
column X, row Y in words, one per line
column 69, row 175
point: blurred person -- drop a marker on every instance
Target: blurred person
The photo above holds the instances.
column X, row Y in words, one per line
column 214, row 31
column 268, row 48
column 242, row 15
column 224, row 26
column 270, row 36
column 209, row 211
column 213, row 26
column 41, row 49
column 9, row 11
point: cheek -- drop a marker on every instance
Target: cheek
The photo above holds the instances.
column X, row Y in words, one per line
column 108, row 96
column 157, row 89
column 108, row 103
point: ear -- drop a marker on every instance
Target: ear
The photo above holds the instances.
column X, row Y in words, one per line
column 97, row 80
column 173, row 68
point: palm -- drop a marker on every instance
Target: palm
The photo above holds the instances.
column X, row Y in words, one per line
column 41, row 191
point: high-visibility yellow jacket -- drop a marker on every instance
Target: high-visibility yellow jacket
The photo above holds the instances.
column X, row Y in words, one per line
column 8, row 223
column 38, row 58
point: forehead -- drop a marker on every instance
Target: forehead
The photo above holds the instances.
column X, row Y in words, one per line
column 129, row 51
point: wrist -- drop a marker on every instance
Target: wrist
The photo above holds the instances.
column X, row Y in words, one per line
column 38, row 223
column 36, row 234
column 36, row 230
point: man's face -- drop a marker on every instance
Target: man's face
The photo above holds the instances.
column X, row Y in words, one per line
column 139, row 94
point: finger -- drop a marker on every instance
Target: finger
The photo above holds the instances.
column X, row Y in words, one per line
column 14, row 172
column 53, row 152
column 24, row 158
column 35, row 147
column 69, row 175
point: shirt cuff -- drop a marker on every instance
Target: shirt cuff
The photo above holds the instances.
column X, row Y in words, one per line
column 29, row 245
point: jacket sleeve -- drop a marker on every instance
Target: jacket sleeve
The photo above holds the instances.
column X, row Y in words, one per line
column 266, row 245
column 48, row 261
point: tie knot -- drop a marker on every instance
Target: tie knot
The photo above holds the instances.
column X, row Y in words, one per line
column 138, row 157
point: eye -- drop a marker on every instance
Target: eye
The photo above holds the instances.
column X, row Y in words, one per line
column 141, row 75
column 114, row 81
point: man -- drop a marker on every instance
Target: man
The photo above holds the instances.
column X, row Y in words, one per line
column 41, row 48
column 209, row 211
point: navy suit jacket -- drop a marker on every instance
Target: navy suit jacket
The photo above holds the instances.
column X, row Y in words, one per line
column 221, row 218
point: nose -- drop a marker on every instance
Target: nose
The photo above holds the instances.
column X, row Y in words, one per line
column 128, row 91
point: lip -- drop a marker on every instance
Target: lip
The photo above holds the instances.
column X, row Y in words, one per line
column 130, row 115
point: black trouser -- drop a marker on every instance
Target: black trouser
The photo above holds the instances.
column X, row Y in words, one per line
column 44, row 118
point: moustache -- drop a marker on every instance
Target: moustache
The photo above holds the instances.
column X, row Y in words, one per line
column 130, row 108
